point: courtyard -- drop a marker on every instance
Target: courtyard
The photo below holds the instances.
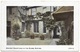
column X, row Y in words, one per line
column 28, row 41
column 40, row 25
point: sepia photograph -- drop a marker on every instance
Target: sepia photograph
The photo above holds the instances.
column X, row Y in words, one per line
column 40, row 25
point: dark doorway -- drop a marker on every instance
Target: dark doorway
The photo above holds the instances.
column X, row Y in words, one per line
column 8, row 28
column 55, row 32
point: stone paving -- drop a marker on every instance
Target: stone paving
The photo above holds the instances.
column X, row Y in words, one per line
column 28, row 41
column 53, row 42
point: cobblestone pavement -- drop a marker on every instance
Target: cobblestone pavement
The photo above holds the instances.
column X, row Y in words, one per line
column 28, row 41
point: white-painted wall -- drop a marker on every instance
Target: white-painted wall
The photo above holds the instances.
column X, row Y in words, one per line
column 32, row 27
column 41, row 27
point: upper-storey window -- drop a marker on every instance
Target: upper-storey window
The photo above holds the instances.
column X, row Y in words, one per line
column 51, row 8
column 54, row 8
column 34, row 11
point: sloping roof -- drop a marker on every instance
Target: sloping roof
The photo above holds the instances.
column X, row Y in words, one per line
column 63, row 13
column 64, row 9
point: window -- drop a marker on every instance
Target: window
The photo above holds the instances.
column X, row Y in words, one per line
column 44, row 28
column 36, row 26
column 23, row 26
column 54, row 8
column 34, row 11
column 51, row 8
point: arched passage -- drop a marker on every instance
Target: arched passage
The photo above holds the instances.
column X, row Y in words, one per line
column 56, row 32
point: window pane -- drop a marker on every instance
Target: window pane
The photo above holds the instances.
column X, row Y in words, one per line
column 23, row 26
column 34, row 11
column 44, row 28
column 36, row 26
column 55, row 8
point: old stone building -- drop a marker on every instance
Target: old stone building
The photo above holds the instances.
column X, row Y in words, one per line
column 23, row 15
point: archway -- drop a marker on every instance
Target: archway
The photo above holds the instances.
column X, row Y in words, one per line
column 56, row 32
